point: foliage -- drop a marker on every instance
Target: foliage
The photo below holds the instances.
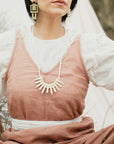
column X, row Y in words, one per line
column 5, row 119
column 105, row 12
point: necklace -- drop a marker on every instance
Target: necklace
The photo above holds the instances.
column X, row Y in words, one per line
column 42, row 85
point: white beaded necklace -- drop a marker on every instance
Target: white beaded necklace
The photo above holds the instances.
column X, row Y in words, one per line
column 52, row 87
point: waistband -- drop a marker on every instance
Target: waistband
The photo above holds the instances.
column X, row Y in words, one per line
column 18, row 124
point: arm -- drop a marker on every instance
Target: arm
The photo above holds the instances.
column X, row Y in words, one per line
column 98, row 55
column 7, row 40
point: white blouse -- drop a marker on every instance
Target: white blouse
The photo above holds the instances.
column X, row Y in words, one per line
column 97, row 53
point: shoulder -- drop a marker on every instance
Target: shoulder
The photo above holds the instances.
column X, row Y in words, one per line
column 96, row 42
column 7, row 43
column 6, row 34
column 24, row 30
column 95, row 37
column 7, row 40
column 87, row 37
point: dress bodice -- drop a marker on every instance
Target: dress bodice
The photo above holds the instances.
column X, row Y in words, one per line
column 66, row 104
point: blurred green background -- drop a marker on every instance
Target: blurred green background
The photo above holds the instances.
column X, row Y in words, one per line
column 105, row 13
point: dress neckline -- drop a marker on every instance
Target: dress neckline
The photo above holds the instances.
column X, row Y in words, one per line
column 52, row 69
column 46, row 41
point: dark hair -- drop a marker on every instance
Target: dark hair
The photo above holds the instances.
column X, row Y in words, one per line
column 28, row 3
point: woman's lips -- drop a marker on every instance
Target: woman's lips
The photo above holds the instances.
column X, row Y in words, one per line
column 60, row 2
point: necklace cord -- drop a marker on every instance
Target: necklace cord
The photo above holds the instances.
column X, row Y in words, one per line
column 32, row 29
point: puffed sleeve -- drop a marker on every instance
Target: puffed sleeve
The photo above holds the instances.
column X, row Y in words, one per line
column 98, row 56
column 7, row 40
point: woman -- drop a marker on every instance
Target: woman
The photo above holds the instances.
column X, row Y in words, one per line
column 46, row 98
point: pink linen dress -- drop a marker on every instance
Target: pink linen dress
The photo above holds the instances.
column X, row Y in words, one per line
column 27, row 103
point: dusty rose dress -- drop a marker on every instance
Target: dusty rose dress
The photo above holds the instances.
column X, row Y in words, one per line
column 27, row 103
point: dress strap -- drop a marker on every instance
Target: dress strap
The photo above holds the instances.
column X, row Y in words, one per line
column 17, row 36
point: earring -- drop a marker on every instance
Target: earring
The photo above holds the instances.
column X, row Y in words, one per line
column 34, row 10
column 69, row 13
column 68, row 20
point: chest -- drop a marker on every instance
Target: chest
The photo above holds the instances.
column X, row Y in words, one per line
column 21, row 86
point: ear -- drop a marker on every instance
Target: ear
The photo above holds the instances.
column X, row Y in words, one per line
column 32, row 1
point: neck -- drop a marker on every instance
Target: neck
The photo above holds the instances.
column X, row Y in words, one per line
column 48, row 27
